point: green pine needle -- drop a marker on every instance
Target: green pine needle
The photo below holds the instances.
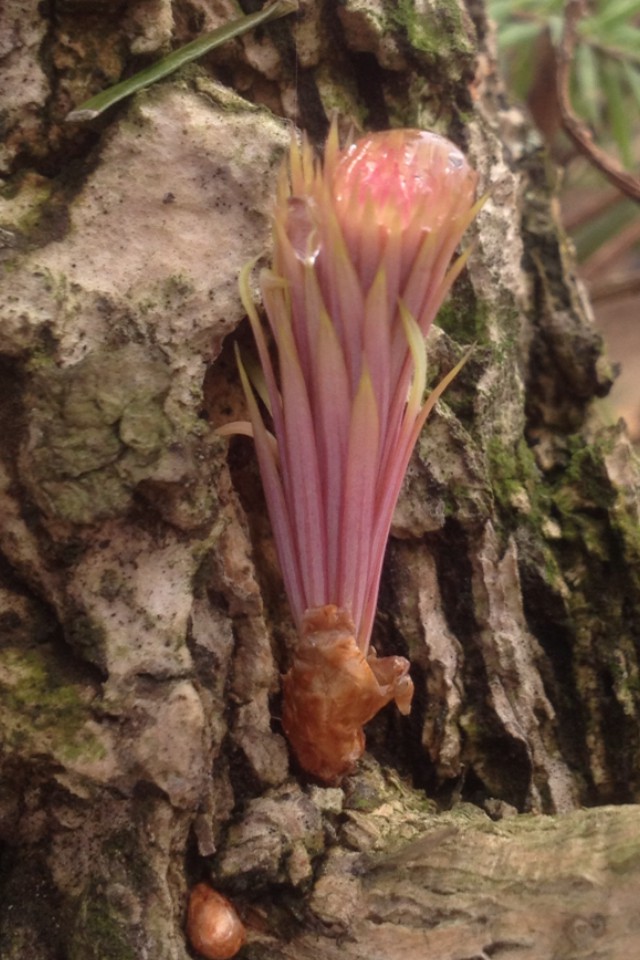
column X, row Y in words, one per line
column 92, row 108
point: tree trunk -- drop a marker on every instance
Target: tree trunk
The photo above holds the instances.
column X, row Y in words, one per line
column 144, row 626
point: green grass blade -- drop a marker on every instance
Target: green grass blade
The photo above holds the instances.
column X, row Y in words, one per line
column 615, row 12
column 632, row 76
column 518, row 32
column 587, row 83
column 92, row 108
column 617, row 107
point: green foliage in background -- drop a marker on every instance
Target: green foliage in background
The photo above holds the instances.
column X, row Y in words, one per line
column 606, row 69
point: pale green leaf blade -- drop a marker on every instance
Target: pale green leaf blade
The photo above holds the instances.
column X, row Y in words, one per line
column 588, row 83
column 93, row 107
column 617, row 111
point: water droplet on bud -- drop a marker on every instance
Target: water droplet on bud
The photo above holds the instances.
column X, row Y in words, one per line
column 301, row 229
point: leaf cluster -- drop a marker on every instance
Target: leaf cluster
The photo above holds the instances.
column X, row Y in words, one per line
column 606, row 67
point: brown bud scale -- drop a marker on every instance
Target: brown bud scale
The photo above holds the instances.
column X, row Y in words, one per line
column 332, row 690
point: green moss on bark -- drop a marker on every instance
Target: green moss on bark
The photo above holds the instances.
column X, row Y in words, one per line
column 40, row 711
column 98, row 933
column 96, row 429
column 438, row 33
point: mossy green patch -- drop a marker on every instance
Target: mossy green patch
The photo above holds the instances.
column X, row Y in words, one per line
column 121, row 850
column 87, row 637
column 97, row 430
column 513, row 472
column 591, row 511
column 582, row 495
column 99, row 934
column 438, row 32
column 463, row 323
column 24, row 203
column 585, row 471
column 339, row 94
column 177, row 286
column 39, row 710
column 468, row 320
column 624, row 858
column 113, row 586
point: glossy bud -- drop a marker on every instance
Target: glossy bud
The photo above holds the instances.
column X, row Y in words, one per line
column 214, row 929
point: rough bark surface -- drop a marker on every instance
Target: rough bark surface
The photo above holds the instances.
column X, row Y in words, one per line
column 143, row 625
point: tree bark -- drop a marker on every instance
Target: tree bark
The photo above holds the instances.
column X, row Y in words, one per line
column 144, row 626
